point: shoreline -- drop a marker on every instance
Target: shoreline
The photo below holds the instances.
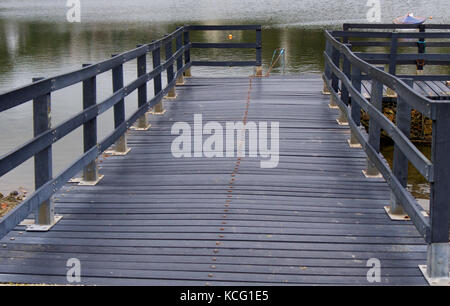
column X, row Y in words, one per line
column 7, row 203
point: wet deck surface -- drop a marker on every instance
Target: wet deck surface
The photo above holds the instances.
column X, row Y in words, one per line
column 159, row 220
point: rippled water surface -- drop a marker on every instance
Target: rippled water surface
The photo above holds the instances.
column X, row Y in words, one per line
column 36, row 40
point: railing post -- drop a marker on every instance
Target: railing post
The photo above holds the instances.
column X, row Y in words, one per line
column 421, row 50
column 438, row 249
column 335, row 57
column 376, row 99
column 393, row 62
column 142, row 122
column 259, row 69
column 327, row 69
column 355, row 108
column 400, row 163
column 121, row 147
column 187, row 53
column 45, row 213
column 90, row 172
column 172, row 94
column 179, row 44
column 158, row 109
column 345, row 95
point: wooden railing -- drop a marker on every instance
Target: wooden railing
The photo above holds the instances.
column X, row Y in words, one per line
column 419, row 40
column 344, row 71
column 40, row 147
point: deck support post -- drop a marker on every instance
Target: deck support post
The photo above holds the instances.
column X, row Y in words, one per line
column 342, row 120
column 335, row 57
column 438, row 249
column 421, row 49
column 121, row 147
column 325, row 90
column 44, row 217
column 90, row 172
column 345, row 95
column 172, row 94
column 393, row 62
column 327, row 69
column 259, row 68
column 400, row 163
column 158, row 109
column 179, row 45
column 376, row 99
column 355, row 108
column 187, row 53
column 437, row 262
column 142, row 123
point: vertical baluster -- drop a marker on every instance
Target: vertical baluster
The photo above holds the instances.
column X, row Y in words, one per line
column 158, row 109
column 393, row 62
column 172, row 94
column 376, row 99
column 90, row 172
column 45, row 213
column 187, row 53
column 400, row 163
column 438, row 249
column 179, row 44
column 345, row 95
column 259, row 70
column 335, row 57
column 421, row 50
column 142, row 122
column 121, row 147
column 327, row 71
column 355, row 108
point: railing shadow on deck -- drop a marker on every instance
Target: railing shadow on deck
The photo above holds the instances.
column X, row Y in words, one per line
column 40, row 147
column 344, row 71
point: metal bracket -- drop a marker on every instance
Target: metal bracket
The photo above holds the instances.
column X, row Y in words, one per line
column 43, row 228
column 371, row 176
column 342, row 122
column 157, row 113
column 75, row 180
column 167, row 97
column 395, row 217
column 353, row 145
column 135, row 128
column 444, row 281
column 90, row 183
column 115, row 153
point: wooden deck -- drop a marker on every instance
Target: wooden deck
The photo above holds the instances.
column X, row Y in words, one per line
column 158, row 220
column 435, row 90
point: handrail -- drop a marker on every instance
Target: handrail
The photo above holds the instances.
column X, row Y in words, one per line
column 392, row 26
column 399, row 39
column 257, row 45
column 26, row 93
column 347, row 80
column 419, row 102
column 40, row 91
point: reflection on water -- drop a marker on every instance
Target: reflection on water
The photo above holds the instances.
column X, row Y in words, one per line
column 36, row 40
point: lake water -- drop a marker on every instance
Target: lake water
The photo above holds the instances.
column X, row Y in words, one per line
column 37, row 41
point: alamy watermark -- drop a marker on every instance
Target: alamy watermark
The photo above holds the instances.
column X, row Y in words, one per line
column 374, row 12
column 232, row 143
column 74, row 11
column 374, row 273
column 73, row 274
